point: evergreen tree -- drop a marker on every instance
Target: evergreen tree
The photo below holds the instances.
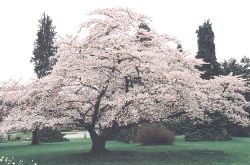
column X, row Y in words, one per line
column 246, row 64
column 232, row 66
column 206, row 51
column 241, row 68
column 44, row 49
column 43, row 53
column 215, row 130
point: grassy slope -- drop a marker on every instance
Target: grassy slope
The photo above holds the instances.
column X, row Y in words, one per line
column 75, row 152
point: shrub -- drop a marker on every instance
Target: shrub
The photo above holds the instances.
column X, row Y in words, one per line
column 48, row 134
column 208, row 134
column 238, row 130
column 152, row 135
column 210, row 131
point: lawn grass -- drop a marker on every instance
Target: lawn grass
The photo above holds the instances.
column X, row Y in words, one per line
column 75, row 152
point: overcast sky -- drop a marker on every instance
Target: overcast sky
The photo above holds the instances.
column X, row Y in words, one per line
column 178, row 18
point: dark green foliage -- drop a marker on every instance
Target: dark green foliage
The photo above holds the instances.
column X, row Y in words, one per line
column 238, row 130
column 215, row 130
column 66, row 129
column 153, row 135
column 206, row 51
column 48, row 134
column 1, row 135
column 141, row 36
column 144, row 26
column 207, row 133
column 242, row 68
column 245, row 62
column 179, row 127
column 125, row 135
column 1, row 138
column 179, row 47
column 44, row 49
column 232, row 66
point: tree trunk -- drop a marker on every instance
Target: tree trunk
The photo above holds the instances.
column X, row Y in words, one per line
column 98, row 146
column 98, row 143
column 35, row 139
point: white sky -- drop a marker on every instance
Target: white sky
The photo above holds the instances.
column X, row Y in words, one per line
column 178, row 18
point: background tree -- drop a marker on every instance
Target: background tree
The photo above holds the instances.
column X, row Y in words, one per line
column 44, row 48
column 43, row 54
column 246, row 65
column 232, row 66
column 206, row 51
column 246, row 75
column 215, row 130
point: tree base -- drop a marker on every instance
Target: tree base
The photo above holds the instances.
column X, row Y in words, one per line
column 34, row 143
column 98, row 146
column 35, row 138
column 99, row 152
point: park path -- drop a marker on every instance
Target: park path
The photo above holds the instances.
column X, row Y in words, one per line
column 76, row 135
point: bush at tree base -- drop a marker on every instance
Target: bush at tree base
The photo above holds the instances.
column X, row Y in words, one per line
column 130, row 135
column 154, row 135
column 48, row 134
column 239, row 131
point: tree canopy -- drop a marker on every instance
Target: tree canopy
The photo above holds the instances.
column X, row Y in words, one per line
column 121, row 75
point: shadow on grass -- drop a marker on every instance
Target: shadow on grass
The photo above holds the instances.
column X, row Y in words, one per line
column 76, row 153
column 187, row 157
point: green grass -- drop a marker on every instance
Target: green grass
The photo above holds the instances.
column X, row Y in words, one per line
column 75, row 152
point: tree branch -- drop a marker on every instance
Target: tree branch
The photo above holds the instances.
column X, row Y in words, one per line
column 112, row 28
column 97, row 106
column 225, row 88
